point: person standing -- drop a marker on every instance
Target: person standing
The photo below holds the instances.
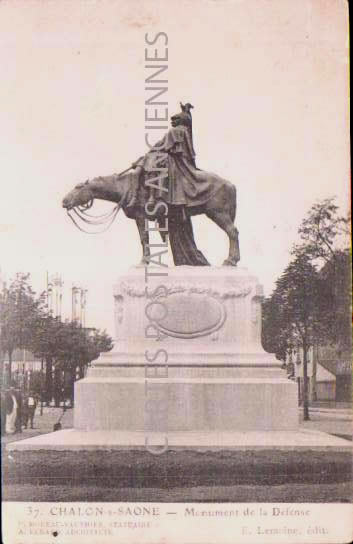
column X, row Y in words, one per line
column 18, row 421
column 3, row 413
column 25, row 411
column 11, row 411
column 31, row 408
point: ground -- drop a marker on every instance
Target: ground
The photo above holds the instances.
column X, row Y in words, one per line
column 222, row 476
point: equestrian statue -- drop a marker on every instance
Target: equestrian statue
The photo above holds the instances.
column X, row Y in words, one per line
column 165, row 186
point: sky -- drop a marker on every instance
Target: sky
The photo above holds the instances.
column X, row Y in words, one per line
column 269, row 84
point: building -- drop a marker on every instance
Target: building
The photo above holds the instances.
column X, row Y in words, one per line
column 22, row 361
column 329, row 373
column 23, row 364
column 342, row 372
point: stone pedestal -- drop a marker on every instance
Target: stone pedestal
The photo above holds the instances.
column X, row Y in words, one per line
column 187, row 357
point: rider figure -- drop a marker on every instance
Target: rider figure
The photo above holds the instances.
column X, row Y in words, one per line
column 174, row 150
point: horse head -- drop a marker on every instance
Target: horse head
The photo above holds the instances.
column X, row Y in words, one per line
column 79, row 196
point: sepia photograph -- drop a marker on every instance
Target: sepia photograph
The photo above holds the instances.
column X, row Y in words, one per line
column 175, row 272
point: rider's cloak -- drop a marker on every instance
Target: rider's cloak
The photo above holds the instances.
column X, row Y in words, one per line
column 187, row 185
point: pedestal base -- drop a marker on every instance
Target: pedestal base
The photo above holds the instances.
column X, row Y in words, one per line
column 185, row 404
column 201, row 441
column 188, row 358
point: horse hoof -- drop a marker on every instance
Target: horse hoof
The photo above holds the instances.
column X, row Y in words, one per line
column 230, row 262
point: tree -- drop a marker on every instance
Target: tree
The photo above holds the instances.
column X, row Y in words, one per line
column 276, row 338
column 20, row 311
column 299, row 303
column 310, row 305
column 26, row 323
column 66, row 347
column 85, row 345
column 100, row 342
column 336, row 275
column 322, row 230
column 325, row 239
column 46, row 345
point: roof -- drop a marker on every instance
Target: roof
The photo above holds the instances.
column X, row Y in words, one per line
column 337, row 367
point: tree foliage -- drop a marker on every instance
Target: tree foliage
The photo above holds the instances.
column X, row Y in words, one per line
column 322, row 255
column 322, row 231
column 296, row 307
column 325, row 240
column 63, row 346
column 311, row 303
column 275, row 336
column 21, row 310
column 336, row 275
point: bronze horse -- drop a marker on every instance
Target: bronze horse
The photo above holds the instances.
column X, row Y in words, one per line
column 220, row 208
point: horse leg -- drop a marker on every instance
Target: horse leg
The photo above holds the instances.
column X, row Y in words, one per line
column 144, row 238
column 224, row 221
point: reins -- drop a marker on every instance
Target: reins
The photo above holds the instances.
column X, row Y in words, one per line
column 112, row 216
column 96, row 220
column 81, row 212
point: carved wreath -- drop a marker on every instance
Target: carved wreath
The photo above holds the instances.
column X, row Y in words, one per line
column 137, row 291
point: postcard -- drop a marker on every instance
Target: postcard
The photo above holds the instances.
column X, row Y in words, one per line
column 175, row 272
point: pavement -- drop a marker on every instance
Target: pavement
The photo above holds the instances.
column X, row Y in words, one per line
column 334, row 412
column 43, row 424
column 331, row 404
column 336, row 421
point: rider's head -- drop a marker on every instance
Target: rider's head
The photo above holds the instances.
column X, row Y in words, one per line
column 181, row 118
